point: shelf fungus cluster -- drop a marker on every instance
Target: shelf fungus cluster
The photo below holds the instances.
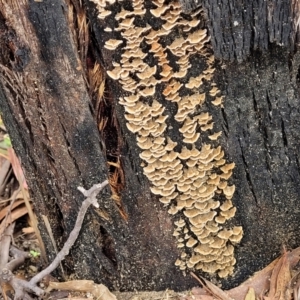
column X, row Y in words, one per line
column 164, row 66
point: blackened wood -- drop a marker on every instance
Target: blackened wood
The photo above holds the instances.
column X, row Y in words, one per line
column 239, row 27
column 189, row 5
column 261, row 121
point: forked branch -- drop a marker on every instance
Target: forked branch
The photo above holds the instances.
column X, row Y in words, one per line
column 20, row 286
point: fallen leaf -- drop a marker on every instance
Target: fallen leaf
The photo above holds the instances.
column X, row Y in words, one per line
column 251, row 294
column 5, row 288
column 14, row 215
column 213, row 289
column 5, row 172
column 71, row 298
column 260, row 282
column 100, row 291
column 6, row 209
column 27, row 230
column 279, row 282
column 275, row 278
column 17, row 167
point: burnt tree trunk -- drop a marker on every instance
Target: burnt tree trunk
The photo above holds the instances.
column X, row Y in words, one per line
column 64, row 100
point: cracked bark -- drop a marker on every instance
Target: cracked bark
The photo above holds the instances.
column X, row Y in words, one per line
column 262, row 112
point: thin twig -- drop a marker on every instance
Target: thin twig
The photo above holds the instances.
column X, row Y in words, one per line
column 5, row 244
column 91, row 195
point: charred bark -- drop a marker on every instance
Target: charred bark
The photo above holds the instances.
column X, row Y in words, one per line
column 261, row 121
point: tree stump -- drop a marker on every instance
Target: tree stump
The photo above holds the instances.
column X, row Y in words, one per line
column 67, row 80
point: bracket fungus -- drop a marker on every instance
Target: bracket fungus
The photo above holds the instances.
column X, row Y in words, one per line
column 189, row 176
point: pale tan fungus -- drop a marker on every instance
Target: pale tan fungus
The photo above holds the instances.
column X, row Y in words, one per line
column 226, row 272
column 169, row 25
column 157, row 12
column 228, row 214
column 214, row 91
column 226, row 176
column 229, row 191
column 133, row 128
column 166, row 70
column 220, row 162
column 236, row 238
column 147, row 92
column 176, row 233
column 212, row 227
column 139, row 12
column 108, row 29
column 196, row 36
column 126, row 23
column 115, row 73
column 220, row 219
column 225, row 234
column 180, row 74
column 177, row 262
column 202, row 120
column 227, row 167
column 192, row 139
column 203, row 249
column 192, row 212
column 197, row 179
column 207, row 127
column 103, row 14
column 123, row 14
column 173, row 97
column 215, row 136
column 195, row 259
column 203, row 218
column 176, row 44
column 214, row 181
column 180, row 223
column 218, row 101
column 147, row 73
column 226, row 205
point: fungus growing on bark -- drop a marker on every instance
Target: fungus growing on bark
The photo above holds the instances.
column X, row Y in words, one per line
column 112, row 44
column 187, row 175
column 103, row 14
column 218, row 101
column 215, row 136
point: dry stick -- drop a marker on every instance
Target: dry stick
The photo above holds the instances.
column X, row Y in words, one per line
column 19, row 257
column 91, row 199
column 5, row 244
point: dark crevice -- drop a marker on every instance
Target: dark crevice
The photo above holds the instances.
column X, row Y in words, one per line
column 108, row 248
column 298, row 80
column 225, row 122
column 68, row 144
column 269, row 106
column 255, row 106
column 297, row 163
column 284, row 138
column 248, row 176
